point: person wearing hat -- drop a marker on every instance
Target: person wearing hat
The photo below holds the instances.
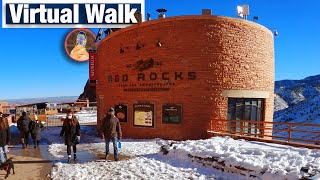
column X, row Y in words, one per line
column 111, row 131
column 71, row 131
column 5, row 137
column 23, row 126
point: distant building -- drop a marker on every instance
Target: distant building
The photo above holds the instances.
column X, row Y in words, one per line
column 178, row 77
column 3, row 106
column 75, row 106
column 41, row 109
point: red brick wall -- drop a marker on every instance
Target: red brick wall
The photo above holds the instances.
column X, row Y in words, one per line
column 225, row 53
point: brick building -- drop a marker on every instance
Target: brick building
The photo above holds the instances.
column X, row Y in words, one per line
column 176, row 77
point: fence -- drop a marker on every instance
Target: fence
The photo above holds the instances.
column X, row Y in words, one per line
column 296, row 134
column 89, row 108
column 58, row 121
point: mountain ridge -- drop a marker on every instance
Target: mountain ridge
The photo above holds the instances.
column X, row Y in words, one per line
column 57, row 99
column 298, row 100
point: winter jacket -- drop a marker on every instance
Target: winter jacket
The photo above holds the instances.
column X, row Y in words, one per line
column 70, row 131
column 35, row 130
column 111, row 127
column 5, row 136
column 23, row 123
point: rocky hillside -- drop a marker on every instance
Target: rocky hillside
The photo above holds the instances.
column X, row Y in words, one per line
column 279, row 103
column 298, row 100
column 88, row 92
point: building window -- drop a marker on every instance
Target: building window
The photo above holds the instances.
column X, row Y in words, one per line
column 171, row 113
column 143, row 115
column 245, row 109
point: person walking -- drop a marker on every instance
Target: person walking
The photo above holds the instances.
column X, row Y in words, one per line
column 35, row 130
column 5, row 137
column 71, row 131
column 23, row 127
column 111, row 131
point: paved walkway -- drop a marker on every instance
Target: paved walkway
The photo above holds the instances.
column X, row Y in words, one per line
column 37, row 163
column 29, row 163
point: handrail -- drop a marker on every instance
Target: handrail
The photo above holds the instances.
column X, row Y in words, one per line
column 267, row 122
column 304, row 133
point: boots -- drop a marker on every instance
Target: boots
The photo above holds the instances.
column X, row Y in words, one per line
column 38, row 142
column 69, row 157
column 74, row 156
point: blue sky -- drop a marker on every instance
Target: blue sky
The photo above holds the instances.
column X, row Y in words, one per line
column 34, row 63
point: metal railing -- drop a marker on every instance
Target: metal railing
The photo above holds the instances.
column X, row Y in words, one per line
column 279, row 132
column 58, row 121
column 54, row 121
column 89, row 108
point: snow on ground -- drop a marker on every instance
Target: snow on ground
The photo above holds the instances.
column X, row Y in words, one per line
column 84, row 116
column 272, row 159
column 137, row 168
column 129, row 148
column 147, row 162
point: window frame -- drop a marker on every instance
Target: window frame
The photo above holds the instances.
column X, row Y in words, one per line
column 243, row 107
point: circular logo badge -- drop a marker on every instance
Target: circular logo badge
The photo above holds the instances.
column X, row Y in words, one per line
column 78, row 42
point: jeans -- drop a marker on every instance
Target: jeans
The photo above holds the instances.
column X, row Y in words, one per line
column 3, row 153
column 115, row 147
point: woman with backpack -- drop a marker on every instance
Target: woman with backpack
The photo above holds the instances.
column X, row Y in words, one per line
column 71, row 131
column 5, row 137
column 35, row 130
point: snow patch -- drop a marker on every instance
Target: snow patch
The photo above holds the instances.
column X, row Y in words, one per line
column 264, row 160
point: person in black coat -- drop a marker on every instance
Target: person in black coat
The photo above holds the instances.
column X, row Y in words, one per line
column 23, row 126
column 35, row 130
column 71, row 131
column 5, row 137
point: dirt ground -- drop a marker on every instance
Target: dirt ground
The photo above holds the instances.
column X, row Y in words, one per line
column 36, row 164
column 29, row 164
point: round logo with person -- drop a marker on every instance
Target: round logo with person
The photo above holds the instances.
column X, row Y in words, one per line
column 78, row 42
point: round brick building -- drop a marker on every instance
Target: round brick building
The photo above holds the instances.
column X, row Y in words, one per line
column 175, row 78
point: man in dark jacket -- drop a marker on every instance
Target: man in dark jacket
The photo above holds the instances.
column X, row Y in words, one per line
column 111, row 131
column 23, row 126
